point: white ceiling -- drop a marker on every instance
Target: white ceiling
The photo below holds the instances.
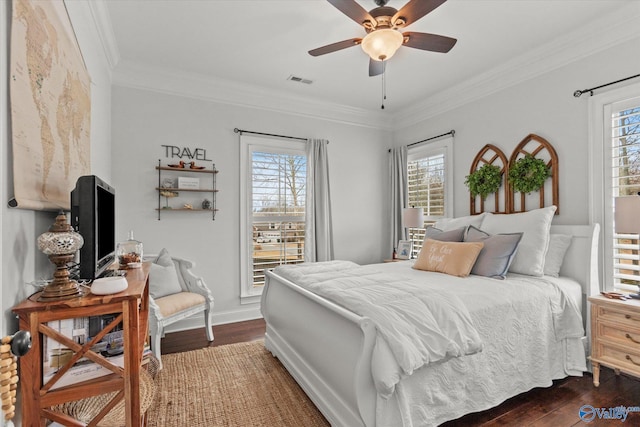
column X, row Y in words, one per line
column 259, row 43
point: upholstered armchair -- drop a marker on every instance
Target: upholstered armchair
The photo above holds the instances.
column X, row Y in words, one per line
column 170, row 302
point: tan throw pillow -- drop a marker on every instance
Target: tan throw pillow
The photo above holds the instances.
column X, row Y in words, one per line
column 454, row 258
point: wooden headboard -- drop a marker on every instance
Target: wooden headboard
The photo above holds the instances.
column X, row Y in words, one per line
column 506, row 200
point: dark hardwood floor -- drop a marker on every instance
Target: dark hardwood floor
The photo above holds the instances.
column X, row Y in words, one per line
column 556, row 406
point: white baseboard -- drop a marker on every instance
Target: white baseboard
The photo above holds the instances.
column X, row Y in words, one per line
column 218, row 318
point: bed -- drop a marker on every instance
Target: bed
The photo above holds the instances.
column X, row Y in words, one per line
column 331, row 351
column 520, row 320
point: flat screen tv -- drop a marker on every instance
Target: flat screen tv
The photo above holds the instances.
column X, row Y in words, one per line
column 93, row 214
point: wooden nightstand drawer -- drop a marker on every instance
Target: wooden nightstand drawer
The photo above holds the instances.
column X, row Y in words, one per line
column 628, row 318
column 620, row 358
column 615, row 335
column 629, row 337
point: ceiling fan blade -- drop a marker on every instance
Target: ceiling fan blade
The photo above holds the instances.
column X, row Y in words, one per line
column 334, row 47
column 415, row 10
column 431, row 42
column 353, row 10
column 376, row 67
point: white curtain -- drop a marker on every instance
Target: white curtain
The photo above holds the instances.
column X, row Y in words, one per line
column 318, row 229
column 399, row 193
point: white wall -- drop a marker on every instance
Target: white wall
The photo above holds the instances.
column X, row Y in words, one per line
column 144, row 120
column 544, row 105
column 21, row 261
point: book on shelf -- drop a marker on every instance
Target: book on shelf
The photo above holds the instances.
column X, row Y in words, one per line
column 81, row 330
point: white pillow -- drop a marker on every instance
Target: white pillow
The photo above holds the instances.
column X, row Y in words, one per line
column 533, row 247
column 163, row 278
column 558, row 245
column 446, row 224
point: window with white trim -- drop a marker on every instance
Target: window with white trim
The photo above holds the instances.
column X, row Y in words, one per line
column 624, row 147
column 429, row 181
column 273, row 187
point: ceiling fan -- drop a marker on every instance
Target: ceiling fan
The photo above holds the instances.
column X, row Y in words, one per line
column 383, row 38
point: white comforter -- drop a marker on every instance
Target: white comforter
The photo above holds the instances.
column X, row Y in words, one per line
column 421, row 323
column 529, row 329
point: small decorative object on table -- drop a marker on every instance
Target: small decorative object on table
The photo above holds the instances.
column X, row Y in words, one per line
column 207, row 205
column 404, row 249
column 187, row 206
column 129, row 252
column 60, row 243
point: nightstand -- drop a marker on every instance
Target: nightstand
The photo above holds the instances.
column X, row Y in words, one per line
column 395, row 260
column 615, row 336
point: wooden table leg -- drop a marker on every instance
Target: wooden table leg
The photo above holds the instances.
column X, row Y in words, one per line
column 596, row 373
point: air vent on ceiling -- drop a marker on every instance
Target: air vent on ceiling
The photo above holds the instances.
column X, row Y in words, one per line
column 299, row 79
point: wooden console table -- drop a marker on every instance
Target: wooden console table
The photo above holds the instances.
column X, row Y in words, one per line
column 130, row 306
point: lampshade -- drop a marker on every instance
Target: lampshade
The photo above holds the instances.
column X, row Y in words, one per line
column 412, row 217
column 381, row 44
column 627, row 217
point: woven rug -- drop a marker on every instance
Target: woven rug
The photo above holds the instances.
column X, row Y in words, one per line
column 236, row 385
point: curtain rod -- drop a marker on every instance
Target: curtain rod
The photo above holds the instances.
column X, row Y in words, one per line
column 580, row 92
column 240, row 131
column 451, row 132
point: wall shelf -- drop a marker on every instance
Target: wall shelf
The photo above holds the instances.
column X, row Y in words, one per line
column 166, row 172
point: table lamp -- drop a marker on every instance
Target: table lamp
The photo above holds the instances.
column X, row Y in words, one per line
column 412, row 218
column 60, row 243
column 627, row 218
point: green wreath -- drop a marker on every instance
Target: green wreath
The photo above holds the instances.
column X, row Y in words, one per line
column 484, row 181
column 528, row 174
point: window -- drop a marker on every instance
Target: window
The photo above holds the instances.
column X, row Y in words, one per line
column 614, row 132
column 429, row 178
column 273, row 183
column 625, row 174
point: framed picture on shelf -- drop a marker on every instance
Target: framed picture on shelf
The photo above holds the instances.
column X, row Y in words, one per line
column 404, row 249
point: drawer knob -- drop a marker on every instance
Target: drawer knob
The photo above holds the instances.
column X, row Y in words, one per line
column 631, row 360
column 628, row 316
column 631, row 338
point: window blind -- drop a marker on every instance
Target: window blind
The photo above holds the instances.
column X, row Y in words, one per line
column 426, row 181
column 278, row 210
column 625, row 165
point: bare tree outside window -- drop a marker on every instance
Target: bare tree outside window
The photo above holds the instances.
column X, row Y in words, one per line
column 278, row 207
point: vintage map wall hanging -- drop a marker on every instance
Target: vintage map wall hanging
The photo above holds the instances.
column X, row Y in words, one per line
column 50, row 106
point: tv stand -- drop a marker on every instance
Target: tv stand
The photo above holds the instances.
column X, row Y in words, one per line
column 131, row 307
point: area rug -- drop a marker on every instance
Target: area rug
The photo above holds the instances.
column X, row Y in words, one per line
column 236, row 385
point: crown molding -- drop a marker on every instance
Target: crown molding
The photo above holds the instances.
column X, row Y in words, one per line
column 612, row 29
column 194, row 85
column 106, row 35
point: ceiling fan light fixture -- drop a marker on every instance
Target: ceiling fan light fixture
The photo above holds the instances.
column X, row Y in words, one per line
column 382, row 44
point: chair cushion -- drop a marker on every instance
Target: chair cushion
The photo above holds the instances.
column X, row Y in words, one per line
column 172, row 304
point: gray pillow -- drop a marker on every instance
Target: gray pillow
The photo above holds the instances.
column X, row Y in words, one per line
column 558, row 245
column 163, row 278
column 444, row 236
column 496, row 255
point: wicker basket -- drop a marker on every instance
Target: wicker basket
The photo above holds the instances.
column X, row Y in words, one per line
column 85, row 410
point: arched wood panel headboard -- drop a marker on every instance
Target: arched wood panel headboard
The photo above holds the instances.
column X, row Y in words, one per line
column 506, row 200
column 539, row 148
column 491, row 155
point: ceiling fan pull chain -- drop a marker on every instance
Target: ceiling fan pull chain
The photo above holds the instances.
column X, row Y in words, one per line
column 384, row 84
